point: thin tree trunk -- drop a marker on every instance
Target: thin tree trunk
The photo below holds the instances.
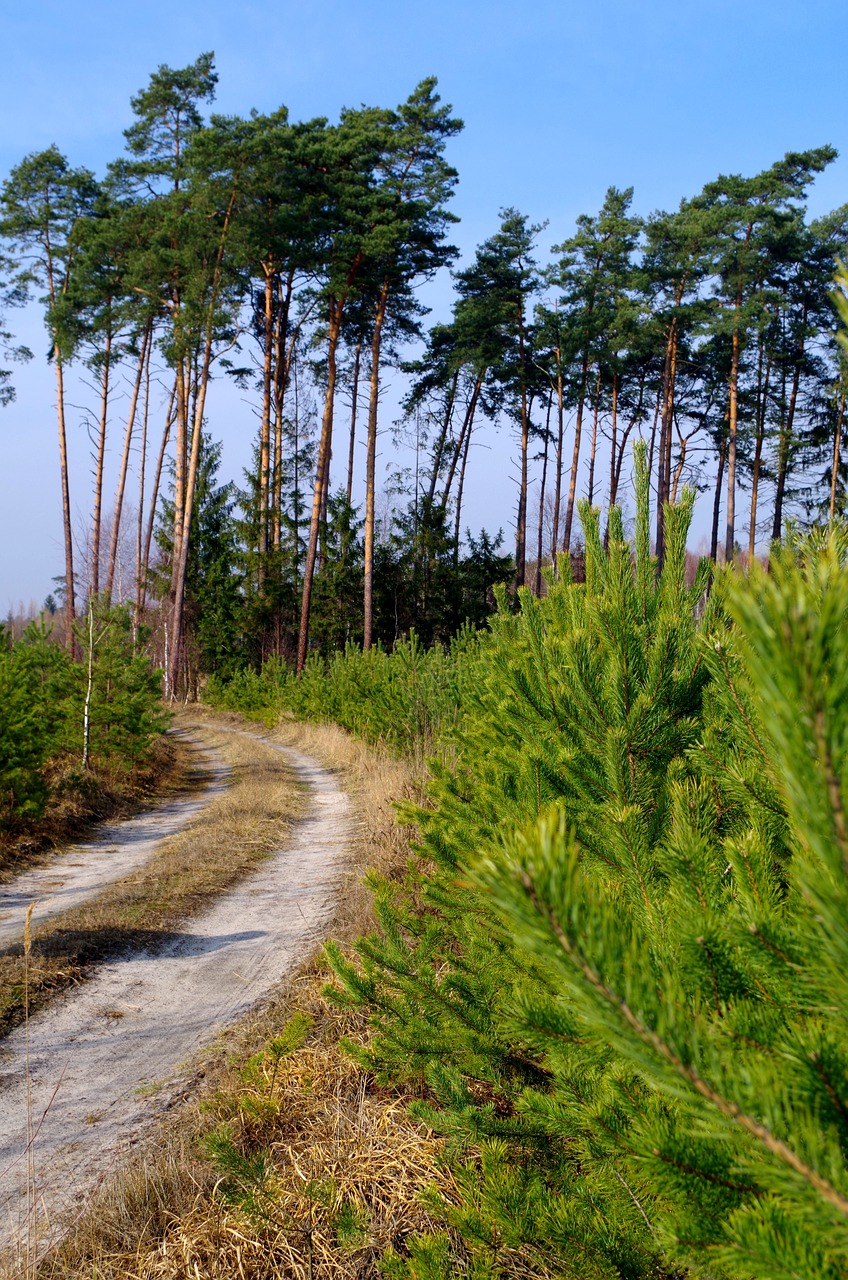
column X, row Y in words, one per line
column 324, row 446
column 730, row 535
column 575, row 457
column 784, row 445
column 614, row 435
column 443, row 435
column 265, row 429
column 722, row 454
column 354, row 394
column 139, row 527
column 70, row 597
column 125, row 459
column 97, row 514
column 283, row 356
column 201, row 385
column 762, row 403
column 558, row 484
column 154, row 497
column 180, row 458
column 460, row 444
column 663, row 476
column 837, row 446
column 370, row 471
column 591, row 492
column 539, row 541
column 619, row 462
column 459, row 490
column 521, row 522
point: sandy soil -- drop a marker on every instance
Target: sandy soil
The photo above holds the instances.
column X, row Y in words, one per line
column 104, row 1061
column 82, row 870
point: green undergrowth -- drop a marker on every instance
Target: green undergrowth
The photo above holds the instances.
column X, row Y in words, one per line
column 613, row 975
column 76, row 733
column 408, row 699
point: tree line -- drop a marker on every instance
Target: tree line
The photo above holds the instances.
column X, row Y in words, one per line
column 289, row 255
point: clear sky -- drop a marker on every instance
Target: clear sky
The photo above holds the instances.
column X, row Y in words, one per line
column 559, row 100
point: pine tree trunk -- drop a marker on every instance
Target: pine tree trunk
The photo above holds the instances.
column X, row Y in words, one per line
column 539, row 542
column 139, row 527
column 154, row 494
column 201, row 385
column 283, row 355
column 459, row 491
column 575, row 458
column 336, row 308
column 558, row 484
column 370, row 466
column 593, row 451
column 354, row 395
column 180, row 458
column 443, row 435
column 762, row 404
column 837, row 446
column 619, row 461
column 460, row 444
column 97, row 513
column 70, row 597
column 265, row 428
column 722, row 454
column 521, row 522
column 125, row 460
column 784, row 446
column 663, row 476
column 732, row 419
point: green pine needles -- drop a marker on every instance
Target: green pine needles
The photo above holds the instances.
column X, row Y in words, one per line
column 618, row 967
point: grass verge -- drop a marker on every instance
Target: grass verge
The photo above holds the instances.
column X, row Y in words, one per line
column 286, row 1160
column 235, row 831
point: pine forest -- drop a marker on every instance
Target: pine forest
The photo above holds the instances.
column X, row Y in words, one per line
column 576, row 1008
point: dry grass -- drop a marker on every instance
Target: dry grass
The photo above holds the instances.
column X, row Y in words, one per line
column 318, row 1170
column 237, row 829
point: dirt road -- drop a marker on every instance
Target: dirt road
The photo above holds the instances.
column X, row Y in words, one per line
column 117, row 848
column 95, row 1057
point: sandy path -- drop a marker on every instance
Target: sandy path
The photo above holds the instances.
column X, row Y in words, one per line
column 82, row 870
column 142, row 1016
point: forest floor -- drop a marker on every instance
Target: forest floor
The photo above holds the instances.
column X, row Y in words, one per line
column 255, row 873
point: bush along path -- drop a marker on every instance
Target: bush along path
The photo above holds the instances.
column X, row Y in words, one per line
column 75, row 1080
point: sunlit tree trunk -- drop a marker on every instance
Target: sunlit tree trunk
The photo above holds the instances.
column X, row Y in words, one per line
column 575, row 457
column 353, row 398
column 370, row 470
column 125, row 460
column 97, row 513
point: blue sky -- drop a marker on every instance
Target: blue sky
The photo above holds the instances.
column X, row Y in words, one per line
column 559, row 102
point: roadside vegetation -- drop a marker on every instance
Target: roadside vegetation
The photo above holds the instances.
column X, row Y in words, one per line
column 600, row 993
column 80, row 733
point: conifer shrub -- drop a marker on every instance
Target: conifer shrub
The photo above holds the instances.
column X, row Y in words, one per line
column 587, row 704
column 23, row 741
column 46, row 698
column 616, row 968
column 406, row 699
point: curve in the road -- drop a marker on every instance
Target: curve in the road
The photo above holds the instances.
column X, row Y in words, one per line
column 83, row 870
column 142, row 1016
